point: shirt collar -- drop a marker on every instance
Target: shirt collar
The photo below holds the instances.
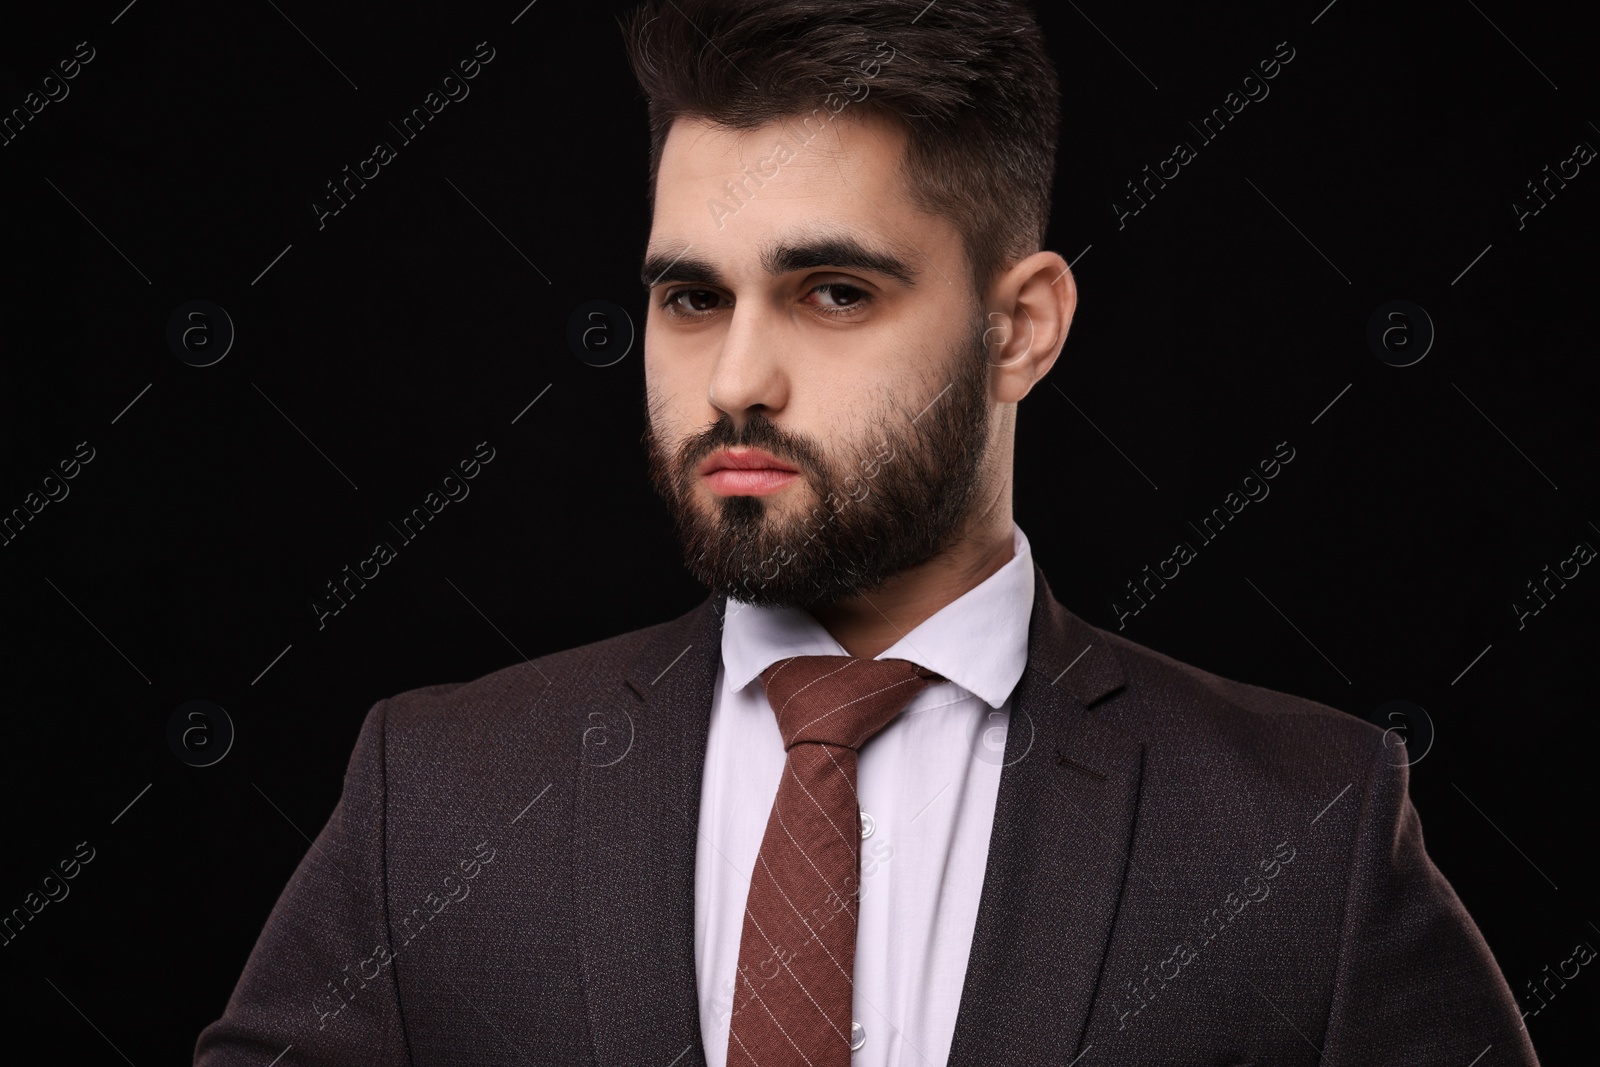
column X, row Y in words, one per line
column 993, row 616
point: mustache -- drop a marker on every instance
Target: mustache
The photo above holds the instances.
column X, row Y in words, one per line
column 759, row 432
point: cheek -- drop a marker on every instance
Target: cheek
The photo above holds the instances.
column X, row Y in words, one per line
column 851, row 411
column 665, row 397
column 824, row 418
column 676, row 373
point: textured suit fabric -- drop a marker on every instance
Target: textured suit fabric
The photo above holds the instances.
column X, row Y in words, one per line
column 1183, row 869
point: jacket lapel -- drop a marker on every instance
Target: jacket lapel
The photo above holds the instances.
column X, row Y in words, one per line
column 1058, row 852
column 636, row 817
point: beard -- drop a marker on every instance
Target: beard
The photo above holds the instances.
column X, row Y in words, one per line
column 882, row 503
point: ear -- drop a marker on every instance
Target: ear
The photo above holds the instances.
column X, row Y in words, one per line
column 1029, row 312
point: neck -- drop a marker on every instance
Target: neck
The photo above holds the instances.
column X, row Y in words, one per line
column 866, row 624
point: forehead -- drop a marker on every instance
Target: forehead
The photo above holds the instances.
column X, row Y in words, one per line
column 731, row 193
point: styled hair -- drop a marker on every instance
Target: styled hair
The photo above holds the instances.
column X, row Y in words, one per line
column 969, row 81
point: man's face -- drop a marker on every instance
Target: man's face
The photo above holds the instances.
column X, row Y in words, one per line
column 834, row 328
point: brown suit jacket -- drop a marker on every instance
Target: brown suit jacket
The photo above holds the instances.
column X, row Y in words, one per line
column 1183, row 869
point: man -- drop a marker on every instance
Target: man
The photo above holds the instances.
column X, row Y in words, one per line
column 880, row 799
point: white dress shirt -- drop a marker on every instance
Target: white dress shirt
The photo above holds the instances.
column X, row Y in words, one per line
column 928, row 782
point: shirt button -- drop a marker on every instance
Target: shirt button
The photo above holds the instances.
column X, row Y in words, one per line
column 858, row 1036
column 866, row 825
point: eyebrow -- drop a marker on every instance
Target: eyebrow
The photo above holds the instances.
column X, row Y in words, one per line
column 835, row 250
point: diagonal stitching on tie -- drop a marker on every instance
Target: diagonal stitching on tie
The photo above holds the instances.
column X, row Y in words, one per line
column 775, row 1022
column 797, row 982
column 857, row 700
column 843, row 775
column 820, row 678
column 798, row 848
column 779, row 670
column 796, row 776
column 747, row 1051
column 806, row 924
column 806, row 855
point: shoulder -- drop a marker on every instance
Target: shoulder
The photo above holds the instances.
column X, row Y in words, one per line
column 516, row 691
column 1194, row 722
column 447, row 757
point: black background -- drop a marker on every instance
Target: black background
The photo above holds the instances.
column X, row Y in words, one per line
column 377, row 351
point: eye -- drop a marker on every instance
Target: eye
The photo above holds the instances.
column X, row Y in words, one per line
column 843, row 298
column 832, row 298
column 673, row 306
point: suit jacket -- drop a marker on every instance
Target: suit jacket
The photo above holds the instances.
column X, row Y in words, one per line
column 1183, row 869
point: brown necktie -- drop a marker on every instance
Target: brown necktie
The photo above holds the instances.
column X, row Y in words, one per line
column 798, row 949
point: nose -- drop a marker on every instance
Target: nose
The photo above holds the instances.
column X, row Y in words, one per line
column 748, row 374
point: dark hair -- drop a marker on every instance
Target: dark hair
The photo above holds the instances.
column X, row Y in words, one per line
column 969, row 81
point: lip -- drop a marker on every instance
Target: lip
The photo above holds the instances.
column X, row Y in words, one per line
column 747, row 472
column 759, row 482
column 746, row 459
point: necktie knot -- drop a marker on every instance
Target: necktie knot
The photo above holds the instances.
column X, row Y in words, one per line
column 840, row 700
